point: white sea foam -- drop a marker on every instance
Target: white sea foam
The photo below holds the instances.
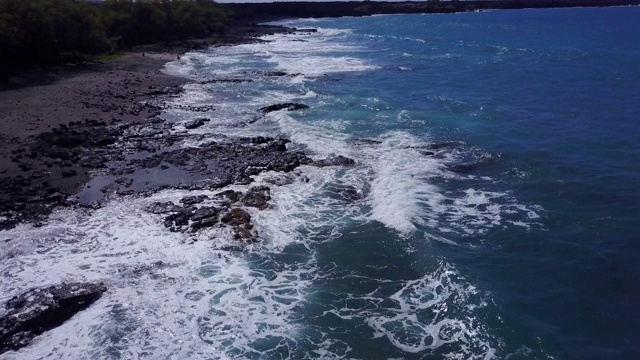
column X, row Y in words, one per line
column 314, row 66
column 401, row 188
column 306, row 209
column 405, row 116
column 311, row 55
column 403, row 178
column 437, row 313
column 395, row 38
column 323, row 141
column 168, row 296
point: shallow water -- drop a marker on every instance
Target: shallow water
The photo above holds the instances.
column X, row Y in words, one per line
column 490, row 213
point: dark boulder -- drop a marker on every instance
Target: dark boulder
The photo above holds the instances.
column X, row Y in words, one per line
column 311, row 30
column 236, row 216
column 284, row 106
column 204, row 223
column 231, row 195
column 257, row 139
column 39, row 310
column 163, row 207
column 188, row 218
column 190, row 200
column 346, row 193
column 257, row 197
column 279, row 145
column 280, row 180
column 178, row 221
column 204, row 217
column 69, row 173
column 105, row 140
column 274, row 73
column 240, row 222
column 196, row 123
column 203, row 213
column 335, row 161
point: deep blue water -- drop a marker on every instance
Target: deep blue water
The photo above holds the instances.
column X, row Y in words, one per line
column 545, row 104
column 492, row 211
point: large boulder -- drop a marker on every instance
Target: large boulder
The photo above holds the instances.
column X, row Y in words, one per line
column 39, row 310
column 284, row 106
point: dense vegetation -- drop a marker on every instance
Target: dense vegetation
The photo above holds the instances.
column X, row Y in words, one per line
column 45, row 32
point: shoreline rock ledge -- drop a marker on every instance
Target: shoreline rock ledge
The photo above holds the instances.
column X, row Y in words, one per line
column 38, row 310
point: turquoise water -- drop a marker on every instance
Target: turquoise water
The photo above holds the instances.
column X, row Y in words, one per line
column 491, row 213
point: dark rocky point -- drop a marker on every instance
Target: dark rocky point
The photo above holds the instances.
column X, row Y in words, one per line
column 39, row 310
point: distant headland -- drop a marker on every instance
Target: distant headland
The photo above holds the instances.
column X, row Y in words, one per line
column 287, row 9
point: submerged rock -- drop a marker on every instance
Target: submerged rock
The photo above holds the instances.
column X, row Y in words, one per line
column 39, row 310
column 346, row 193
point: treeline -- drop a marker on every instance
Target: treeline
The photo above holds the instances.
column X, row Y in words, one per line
column 45, row 32
column 265, row 11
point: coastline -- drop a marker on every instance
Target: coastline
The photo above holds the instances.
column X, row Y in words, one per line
column 451, row 155
column 51, row 120
column 75, row 137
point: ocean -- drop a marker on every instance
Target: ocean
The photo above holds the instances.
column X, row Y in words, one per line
column 492, row 212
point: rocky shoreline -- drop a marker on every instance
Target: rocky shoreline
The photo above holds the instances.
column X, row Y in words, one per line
column 59, row 129
column 79, row 137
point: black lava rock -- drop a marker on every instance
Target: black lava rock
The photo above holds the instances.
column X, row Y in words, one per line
column 284, row 106
column 39, row 310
